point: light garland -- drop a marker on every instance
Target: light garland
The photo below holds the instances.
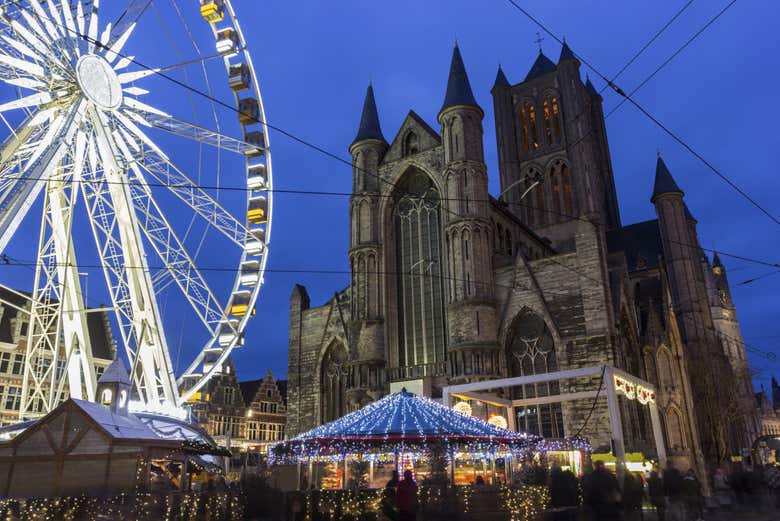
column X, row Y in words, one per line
column 525, row 503
column 634, row 391
column 141, row 507
column 400, row 422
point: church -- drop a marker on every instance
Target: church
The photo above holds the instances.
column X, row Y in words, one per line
column 451, row 285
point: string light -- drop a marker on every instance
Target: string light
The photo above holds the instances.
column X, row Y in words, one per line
column 399, row 423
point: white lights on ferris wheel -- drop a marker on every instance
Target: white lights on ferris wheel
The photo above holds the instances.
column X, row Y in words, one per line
column 89, row 135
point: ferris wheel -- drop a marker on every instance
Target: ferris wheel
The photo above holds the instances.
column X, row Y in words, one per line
column 111, row 164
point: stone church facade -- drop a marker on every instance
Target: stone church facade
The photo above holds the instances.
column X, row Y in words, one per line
column 450, row 285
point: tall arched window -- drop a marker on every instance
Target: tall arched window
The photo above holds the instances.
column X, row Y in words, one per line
column 524, row 128
column 665, row 377
column 539, row 203
column 674, row 429
column 555, row 182
column 411, row 144
column 333, row 380
column 531, row 350
column 420, row 281
column 556, row 118
column 532, row 125
column 547, row 123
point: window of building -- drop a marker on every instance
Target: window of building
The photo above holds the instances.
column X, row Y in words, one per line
column 333, row 381
column 547, row 123
column 106, row 397
column 556, row 118
column 252, row 431
column 218, row 425
column 23, row 329
column 530, row 351
column 524, row 128
column 532, row 126
column 5, row 362
column 98, row 371
column 411, row 144
column 18, row 365
column 419, row 260
column 229, row 395
column 13, row 398
column 674, row 430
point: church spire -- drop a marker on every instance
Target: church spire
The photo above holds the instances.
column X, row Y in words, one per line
column 369, row 120
column 664, row 182
column 566, row 52
column 458, row 86
column 501, row 80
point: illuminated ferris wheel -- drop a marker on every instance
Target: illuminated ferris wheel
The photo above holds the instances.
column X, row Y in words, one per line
column 92, row 156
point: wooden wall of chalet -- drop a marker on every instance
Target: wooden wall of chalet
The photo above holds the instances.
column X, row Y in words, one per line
column 67, row 454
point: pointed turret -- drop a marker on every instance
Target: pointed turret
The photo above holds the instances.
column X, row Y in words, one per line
column 541, row 66
column 566, row 53
column 369, row 120
column 716, row 262
column 458, row 86
column 664, row 182
column 688, row 215
column 590, row 88
column 501, row 80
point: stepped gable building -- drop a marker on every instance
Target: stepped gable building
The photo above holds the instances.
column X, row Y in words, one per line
column 450, row 285
column 247, row 416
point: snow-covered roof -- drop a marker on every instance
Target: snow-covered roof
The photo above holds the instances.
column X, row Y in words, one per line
column 115, row 373
column 119, row 426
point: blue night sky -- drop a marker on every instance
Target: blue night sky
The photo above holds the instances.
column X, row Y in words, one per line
column 314, row 60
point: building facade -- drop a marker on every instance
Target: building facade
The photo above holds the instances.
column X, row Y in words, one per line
column 450, row 285
column 14, row 332
column 247, row 416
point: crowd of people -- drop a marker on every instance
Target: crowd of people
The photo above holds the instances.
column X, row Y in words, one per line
column 673, row 495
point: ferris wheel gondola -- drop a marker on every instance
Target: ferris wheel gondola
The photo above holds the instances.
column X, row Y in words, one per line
column 89, row 135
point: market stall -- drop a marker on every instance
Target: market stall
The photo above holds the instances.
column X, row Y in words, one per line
column 399, row 432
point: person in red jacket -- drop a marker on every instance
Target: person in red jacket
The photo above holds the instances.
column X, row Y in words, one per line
column 406, row 498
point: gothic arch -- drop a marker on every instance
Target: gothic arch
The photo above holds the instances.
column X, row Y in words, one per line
column 664, row 360
column 675, row 429
column 530, row 349
column 411, row 144
column 416, row 253
column 334, row 373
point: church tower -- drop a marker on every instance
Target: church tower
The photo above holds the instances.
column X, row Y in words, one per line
column 553, row 155
column 471, row 325
column 366, row 330
column 709, row 369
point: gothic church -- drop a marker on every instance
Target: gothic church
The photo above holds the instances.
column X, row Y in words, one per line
column 450, row 285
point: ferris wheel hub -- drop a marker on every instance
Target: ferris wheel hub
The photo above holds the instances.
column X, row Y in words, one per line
column 99, row 82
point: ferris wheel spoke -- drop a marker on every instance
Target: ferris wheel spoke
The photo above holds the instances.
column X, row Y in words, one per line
column 194, row 132
column 160, row 168
column 152, row 349
column 34, row 174
column 171, row 250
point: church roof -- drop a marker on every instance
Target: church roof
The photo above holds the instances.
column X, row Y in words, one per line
column 566, row 53
column 115, row 373
column 458, row 86
column 369, row 120
column 541, row 66
column 664, row 182
column 501, row 80
column 641, row 243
